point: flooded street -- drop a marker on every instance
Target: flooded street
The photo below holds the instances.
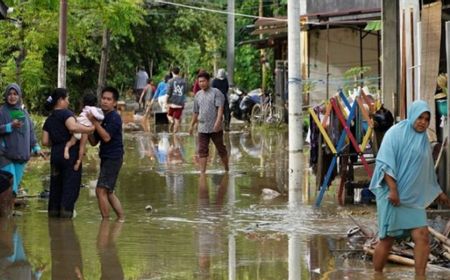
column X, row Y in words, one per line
column 180, row 225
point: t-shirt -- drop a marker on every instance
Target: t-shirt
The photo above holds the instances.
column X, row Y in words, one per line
column 113, row 125
column 176, row 90
column 141, row 79
column 206, row 104
column 58, row 133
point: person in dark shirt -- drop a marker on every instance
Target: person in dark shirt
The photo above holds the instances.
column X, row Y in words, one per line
column 58, row 128
column 109, row 134
column 176, row 95
column 221, row 83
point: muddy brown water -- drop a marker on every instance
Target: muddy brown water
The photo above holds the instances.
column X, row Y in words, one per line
column 180, row 225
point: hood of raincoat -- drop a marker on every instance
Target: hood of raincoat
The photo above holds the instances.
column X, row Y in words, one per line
column 18, row 90
column 405, row 155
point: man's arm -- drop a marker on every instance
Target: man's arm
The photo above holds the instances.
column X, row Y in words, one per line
column 193, row 122
column 219, row 118
column 142, row 94
column 169, row 88
column 102, row 133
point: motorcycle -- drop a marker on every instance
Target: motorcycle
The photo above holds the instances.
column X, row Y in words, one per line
column 241, row 103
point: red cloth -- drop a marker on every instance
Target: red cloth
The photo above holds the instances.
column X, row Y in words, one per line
column 175, row 112
column 196, row 87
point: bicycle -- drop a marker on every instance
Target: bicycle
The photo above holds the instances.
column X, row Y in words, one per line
column 267, row 112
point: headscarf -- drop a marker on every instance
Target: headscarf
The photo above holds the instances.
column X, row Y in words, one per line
column 19, row 92
column 405, row 155
column 221, row 74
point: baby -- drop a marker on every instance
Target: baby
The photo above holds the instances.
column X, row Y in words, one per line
column 89, row 106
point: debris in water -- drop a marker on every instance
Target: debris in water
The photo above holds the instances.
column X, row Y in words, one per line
column 269, row 193
column 149, row 208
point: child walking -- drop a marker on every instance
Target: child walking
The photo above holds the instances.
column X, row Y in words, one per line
column 89, row 106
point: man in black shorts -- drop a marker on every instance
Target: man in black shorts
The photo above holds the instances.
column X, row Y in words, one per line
column 109, row 134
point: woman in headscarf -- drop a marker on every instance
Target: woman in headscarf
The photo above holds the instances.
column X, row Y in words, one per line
column 17, row 138
column 58, row 129
column 405, row 183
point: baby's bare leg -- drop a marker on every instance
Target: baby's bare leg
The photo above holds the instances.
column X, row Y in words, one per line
column 69, row 144
column 83, row 141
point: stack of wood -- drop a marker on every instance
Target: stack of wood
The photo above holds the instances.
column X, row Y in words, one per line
column 403, row 252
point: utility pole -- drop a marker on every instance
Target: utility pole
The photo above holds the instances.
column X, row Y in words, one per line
column 62, row 47
column 390, row 74
column 294, row 100
column 262, row 52
column 230, row 41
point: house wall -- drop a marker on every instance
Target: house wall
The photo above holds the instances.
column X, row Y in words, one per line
column 344, row 53
column 328, row 6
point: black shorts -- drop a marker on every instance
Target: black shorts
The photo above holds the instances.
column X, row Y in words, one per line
column 5, row 180
column 109, row 171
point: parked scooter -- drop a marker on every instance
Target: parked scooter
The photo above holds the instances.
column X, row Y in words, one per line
column 241, row 103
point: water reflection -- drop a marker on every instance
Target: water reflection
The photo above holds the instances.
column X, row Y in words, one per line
column 215, row 226
column 294, row 257
column 111, row 267
column 65, row 250
column 146, row 147
column 210, row 233
column 175, row 152
column 13, row 259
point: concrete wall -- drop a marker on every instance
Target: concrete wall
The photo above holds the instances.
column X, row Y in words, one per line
column 344, row 53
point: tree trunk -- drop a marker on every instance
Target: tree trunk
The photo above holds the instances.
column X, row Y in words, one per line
column 150, row 68
column 21, row 57
column 103, row 62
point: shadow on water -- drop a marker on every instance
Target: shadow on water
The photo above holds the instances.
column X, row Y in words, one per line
column 183, row 225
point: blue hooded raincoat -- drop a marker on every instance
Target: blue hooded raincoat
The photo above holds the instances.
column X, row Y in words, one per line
column 405, row 155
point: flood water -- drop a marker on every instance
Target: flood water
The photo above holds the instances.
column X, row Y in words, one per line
column 180, row 225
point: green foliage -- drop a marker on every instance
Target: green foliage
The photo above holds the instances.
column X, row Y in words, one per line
column 142, row 33
column 352, row 77
column 247, row 64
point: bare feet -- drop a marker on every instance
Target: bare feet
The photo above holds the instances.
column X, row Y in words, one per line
column 66, row 152
column 120, row 219
column 77, row 165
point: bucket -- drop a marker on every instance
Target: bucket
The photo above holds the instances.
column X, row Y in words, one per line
column 441, row 106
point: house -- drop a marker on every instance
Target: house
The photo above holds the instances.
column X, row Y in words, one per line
column 334, row 40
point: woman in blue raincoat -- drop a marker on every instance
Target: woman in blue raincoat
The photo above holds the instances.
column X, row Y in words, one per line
column 17, row 138
column 405, row 183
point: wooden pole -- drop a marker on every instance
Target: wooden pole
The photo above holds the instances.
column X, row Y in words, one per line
column 439, row 236
column 447, row 127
